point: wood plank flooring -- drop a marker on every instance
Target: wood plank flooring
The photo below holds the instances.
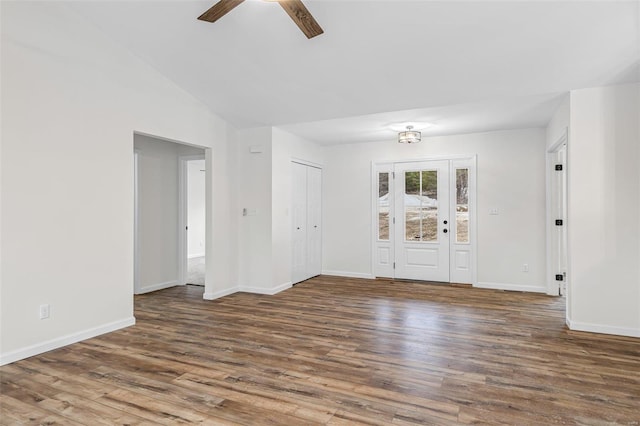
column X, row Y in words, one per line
column 334, row 351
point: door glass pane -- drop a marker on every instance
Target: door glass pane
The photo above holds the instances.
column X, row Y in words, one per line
column 429, row 205
column 421, row 205
column 383, row 206
column 462, row 205
column 412, row 206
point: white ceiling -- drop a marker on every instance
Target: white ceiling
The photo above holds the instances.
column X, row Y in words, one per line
column 465, row 66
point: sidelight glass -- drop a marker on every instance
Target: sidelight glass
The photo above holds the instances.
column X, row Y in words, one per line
column 462, row 205
column 421, row 205
column 383, row 206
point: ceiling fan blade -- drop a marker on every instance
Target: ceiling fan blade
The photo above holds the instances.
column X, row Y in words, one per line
column 219, row 10
column 302, row 17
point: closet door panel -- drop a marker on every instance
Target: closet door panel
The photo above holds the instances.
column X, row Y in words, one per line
column 314, row 221
column 299, row 221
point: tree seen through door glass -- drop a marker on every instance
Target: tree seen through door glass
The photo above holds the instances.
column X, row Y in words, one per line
column 421, row 205
column 383, row 206
column 462, row 205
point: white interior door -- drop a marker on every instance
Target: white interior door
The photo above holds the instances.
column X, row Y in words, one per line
column 299, row 222
column 314, row 213
column 421, row 191
column 307, row 220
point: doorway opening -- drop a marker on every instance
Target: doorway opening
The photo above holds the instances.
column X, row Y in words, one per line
column 161, row 213
column 424, row 220
column 193, row 218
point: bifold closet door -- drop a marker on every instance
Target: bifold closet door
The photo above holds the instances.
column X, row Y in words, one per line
column 306, row 220
column 314, row 216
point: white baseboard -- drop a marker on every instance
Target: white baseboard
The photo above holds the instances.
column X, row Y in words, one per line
column 193, row 256
column 220, row 293
column 511, row 287
column 282, row 287
column 552, row 288
column 267, row 291
column 159, row 286
column 64, row 341
column 602, row 329
column 349, row 274
column 247, row 289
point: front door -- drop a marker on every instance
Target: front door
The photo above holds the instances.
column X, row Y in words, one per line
column 421, row 191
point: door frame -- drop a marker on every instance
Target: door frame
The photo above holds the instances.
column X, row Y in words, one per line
column 209, row 195
column 183, row 215
column 136, row 221
column 472, row 160
column 553, row 286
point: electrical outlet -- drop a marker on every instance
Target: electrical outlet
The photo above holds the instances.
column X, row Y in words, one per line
column 525, row 267
column 493, row 211
column 44, row 311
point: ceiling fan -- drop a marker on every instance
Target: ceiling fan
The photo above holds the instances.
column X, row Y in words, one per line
column 296, row 10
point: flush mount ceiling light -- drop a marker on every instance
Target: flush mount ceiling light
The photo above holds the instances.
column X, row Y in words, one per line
column 409, row 136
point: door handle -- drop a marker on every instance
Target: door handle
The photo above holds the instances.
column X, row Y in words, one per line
column 445, row 230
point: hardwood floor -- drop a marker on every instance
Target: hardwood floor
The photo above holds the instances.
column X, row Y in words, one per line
column 334, row 351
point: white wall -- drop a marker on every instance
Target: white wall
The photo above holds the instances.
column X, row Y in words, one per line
column 254, row 195
column 157, row 214
column 71, row 101
column 604, row 210
column 265, row 191
column 511, row 177
column 222, row 222
column 196, row 218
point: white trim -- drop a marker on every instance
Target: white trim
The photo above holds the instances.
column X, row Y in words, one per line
column 136, row 220
column 430, row 158
column 209, row 199
column 364, row 275
column 602, row 329
column 511, row 287
column 182, row 213
column 159, row 286
column 374, row 215
column 265, row 291
column 553, row 286
column 220, row 293
column 283, row 287
column 473, row 221
column 64, row 341
column 306, row 163
column 162, row 138
column 248, row 289
column 471, row 164
column 182, row 219
column 376, row 270
column 193, row 256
